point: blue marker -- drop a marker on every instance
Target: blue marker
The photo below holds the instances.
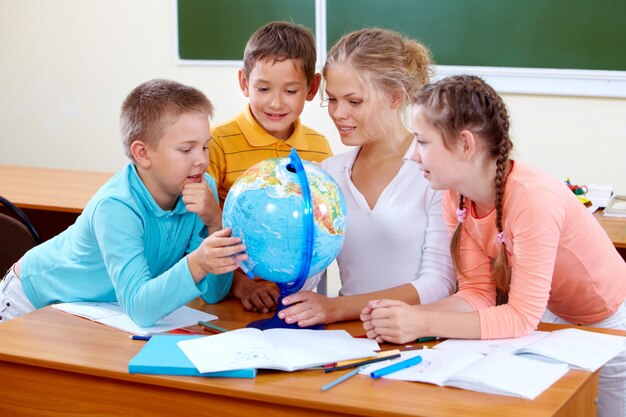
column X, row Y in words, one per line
column 243, row 267
column 137, row 337
column 396, row 367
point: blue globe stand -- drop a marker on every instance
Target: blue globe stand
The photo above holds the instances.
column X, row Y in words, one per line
column 288, row 288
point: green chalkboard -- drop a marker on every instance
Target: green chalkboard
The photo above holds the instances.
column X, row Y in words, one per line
column 219, row 29
column 573, row 34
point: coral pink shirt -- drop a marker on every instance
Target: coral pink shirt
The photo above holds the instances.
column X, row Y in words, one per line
column 561, row 258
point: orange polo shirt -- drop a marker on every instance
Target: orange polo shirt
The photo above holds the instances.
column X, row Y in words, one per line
column 241, row 142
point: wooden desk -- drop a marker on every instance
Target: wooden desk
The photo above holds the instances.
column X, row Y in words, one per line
column 53, row 363
column 615, row 227
column 49, row 189
column 51, row 198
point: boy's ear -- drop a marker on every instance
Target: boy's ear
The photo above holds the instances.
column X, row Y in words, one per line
column 139, row 151
column 313, row 87
column 243, row 83
column 468, row 144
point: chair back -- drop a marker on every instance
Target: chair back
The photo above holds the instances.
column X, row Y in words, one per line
column 17, row 236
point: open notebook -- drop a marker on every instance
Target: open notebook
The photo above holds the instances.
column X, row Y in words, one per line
column 501, row 373
column 578, row 348
column 282, row 349
column 522, row 367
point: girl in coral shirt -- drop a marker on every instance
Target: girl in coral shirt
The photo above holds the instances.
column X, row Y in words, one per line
column 522, row 244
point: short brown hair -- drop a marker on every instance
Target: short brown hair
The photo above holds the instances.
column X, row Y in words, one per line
column 280, row 41
column 153, row 105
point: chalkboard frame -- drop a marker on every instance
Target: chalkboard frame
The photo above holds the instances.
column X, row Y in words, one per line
column 515, row 80
column 190, row 56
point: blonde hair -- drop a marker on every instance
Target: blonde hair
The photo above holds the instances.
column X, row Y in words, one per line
column 280, row 41
column 383, row 60
column 152, row 106
column 467, row 102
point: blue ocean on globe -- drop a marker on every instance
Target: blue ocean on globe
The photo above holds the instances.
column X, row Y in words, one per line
column 265, row 207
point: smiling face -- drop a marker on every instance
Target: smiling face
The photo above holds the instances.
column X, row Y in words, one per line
column 180, row 156
column 441, row 165
column 277, row 91
column 352, row 109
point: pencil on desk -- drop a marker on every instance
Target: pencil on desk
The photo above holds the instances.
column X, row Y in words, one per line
column 382, row 356
column 365, row 362
column 342, row 378
column 211, row 327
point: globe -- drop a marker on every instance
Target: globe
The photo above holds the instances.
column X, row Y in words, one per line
column 292, row 217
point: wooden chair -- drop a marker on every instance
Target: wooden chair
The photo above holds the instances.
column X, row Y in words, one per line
column 17, row 236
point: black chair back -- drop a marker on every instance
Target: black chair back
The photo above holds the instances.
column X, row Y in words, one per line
column 17, row 236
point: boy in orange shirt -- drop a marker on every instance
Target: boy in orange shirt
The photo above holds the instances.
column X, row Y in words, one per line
column 278, row 77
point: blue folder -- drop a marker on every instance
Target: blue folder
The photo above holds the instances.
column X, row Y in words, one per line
column 162, row 356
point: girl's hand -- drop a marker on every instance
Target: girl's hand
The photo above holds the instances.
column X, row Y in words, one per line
column 307, row 309
column 391, row 321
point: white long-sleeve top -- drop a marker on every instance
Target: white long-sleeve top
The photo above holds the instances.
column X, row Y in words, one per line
column 403, row 239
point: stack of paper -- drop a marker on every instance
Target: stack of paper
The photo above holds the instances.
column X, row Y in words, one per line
column 616, row 207
column 600, row 195
column 112, row 315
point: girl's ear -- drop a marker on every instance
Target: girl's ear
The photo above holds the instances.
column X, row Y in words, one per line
column 243, row 82
column 139, row 151
column 468, row 144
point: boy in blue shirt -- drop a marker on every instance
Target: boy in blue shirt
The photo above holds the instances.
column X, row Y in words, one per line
column 142, row 238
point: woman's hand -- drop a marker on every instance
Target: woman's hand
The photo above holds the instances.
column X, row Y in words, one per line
column 307, row 308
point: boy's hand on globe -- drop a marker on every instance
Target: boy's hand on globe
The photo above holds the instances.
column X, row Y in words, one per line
column 199, row 199
column 216, row 255
column 255, row 296
column 307, row 309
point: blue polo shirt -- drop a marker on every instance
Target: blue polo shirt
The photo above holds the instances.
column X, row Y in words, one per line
column 124, row 248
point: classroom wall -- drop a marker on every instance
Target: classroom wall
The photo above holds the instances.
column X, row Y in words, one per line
column 66, row 66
